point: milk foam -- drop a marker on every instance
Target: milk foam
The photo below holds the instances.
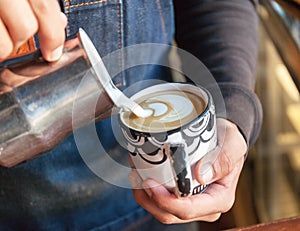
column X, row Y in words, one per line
column 170, row 110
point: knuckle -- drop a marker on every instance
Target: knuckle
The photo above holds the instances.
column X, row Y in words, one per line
column 214, row 217
column 41, row 6
column 185, row 216
column 63, row 19
column 28, row 30
column 45, row 8
column 52, row 39
column 161, row 204
column 228, row 204
column 167, row 219
column 225, row 163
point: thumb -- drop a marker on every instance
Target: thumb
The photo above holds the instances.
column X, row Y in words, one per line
column 207, row 169
column 223, row 159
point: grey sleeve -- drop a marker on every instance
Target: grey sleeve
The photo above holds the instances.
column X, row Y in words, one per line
column 224, row 36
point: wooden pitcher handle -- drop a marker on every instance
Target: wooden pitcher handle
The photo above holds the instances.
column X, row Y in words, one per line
column 27, row 48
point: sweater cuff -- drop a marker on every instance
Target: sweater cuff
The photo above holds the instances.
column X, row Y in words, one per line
column 243, row 108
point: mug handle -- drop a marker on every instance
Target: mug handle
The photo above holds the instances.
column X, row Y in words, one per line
column 180, row 165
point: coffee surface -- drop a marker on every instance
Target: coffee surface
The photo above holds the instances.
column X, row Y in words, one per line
column 169, row 110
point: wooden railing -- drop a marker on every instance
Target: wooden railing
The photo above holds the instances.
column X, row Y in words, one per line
column 284, row 225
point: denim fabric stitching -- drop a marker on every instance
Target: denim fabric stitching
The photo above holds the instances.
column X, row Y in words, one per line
column 68, row 5
column 162, row 21
column 120, row 45
column 85, row 4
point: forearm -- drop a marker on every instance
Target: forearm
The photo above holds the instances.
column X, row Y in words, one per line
column 223, row 35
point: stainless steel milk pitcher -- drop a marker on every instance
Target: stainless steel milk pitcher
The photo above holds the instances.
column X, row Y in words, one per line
column 36, row 100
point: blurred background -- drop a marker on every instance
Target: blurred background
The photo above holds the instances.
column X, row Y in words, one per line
column 269, row 187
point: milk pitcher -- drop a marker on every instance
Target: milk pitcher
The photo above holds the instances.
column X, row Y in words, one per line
column 36, row 100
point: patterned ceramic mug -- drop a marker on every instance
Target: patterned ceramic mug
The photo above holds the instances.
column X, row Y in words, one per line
column 181, row 130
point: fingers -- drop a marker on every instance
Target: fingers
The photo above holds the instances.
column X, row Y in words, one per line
column 51, row 32
column 207, row 206
column 169, row 209
column 221, row 170
column 19, row 24
column 6, row 43
column 223, row 159
column 165, row 206
column 21, row 19
column 186, row 208
column 144, row 199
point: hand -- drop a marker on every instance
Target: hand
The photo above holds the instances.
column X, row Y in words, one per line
column 222, row 175
column 21, row 19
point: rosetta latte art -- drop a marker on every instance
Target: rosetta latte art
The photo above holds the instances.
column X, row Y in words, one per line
column 170, row 110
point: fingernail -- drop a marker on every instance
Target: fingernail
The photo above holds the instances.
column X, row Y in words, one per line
column 147, row 189
column 206, row 173
column 55, row 54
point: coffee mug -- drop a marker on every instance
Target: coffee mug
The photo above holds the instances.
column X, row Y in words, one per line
column 180, row 131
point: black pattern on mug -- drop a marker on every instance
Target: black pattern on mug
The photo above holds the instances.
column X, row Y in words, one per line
column 149, row 148
column 201, row 131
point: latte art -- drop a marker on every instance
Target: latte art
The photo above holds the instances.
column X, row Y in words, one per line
column 169, row 110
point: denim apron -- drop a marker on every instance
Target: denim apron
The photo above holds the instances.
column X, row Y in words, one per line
column 57, row 190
